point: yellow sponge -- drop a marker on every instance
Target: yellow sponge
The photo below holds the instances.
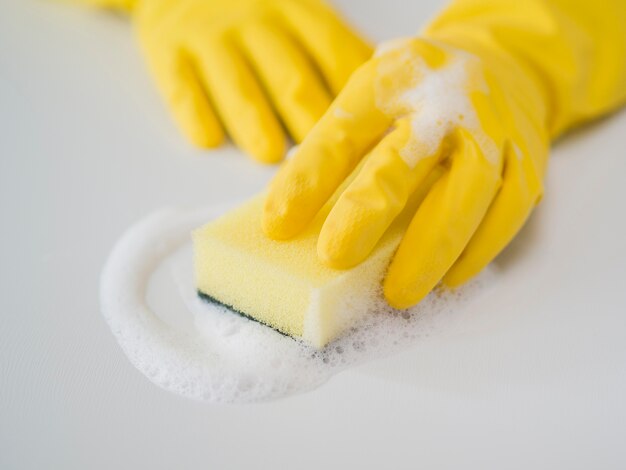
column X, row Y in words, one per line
column 283, row 284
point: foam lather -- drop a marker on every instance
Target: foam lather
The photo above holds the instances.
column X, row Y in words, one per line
column 283, row 284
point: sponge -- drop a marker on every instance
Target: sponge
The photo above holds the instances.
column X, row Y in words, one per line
column 282, row 284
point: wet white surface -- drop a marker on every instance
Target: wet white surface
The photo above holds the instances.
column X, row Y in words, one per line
column 532, row 376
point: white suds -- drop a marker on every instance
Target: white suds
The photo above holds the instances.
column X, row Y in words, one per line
column 438, row 104
column 221, row 356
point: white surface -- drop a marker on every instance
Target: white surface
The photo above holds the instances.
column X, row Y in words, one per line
column 533, row 375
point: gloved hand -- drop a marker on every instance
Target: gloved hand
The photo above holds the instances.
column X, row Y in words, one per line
column 245, row 66
column 478, row 96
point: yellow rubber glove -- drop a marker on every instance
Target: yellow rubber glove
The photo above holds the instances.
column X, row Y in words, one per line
column 245, row 66
column 477, row 97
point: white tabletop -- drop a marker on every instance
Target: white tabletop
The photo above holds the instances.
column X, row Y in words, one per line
column 531, row 375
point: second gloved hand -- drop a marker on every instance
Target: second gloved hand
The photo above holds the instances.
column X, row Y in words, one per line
column 242, row 66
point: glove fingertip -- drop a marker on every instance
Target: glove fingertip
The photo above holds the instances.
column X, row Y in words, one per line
column 274, row 227
column 273, row 221
column 207, row 140
column 200, row 136
column 402, row 287
column 330, row 255
column 396, row 295
column 456, row 277
column 266, row 149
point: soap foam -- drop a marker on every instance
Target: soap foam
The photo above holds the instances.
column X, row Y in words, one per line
column 439, row 101
column 224, row 357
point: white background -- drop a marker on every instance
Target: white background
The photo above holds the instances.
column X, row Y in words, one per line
column 532, row 375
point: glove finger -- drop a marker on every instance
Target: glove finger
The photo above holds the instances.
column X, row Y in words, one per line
column 326, row 157
column 443, row 224
column 290, row 80
column 337, row 50
column 521, row 189
column 240, row 102
column 372, row 201
column 190, row 106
